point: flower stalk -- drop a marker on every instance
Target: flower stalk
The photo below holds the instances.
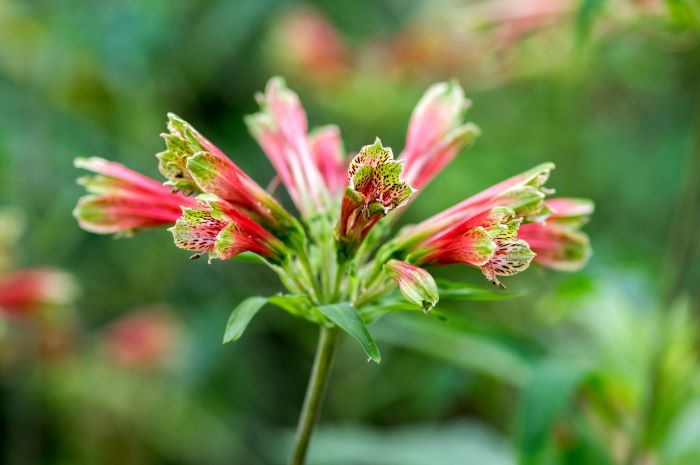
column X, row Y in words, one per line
column 315, row 393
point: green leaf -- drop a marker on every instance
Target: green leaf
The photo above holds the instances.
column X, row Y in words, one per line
column 346, row 317
column 374, row 312
column 241, row 316
column 548, row 393
column 297, row 305
column 474, row 352
column 465, row 291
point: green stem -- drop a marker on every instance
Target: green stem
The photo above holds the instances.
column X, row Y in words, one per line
column 314, row 394
column 307, row 269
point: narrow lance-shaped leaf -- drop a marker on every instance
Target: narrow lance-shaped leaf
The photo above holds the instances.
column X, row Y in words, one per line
column 345, row 315
column 297, row 305
column 466, row 291
column 241, row 316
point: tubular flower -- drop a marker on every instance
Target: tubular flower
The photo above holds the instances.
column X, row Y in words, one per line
column 487, row 241
column 217, row 227
column 375, row 189
column 436, row 133
column 524, row 193
column 558, row 242
column 193, row 164
column 416, row 284
column 23, row 292
column 122, row 200
column 280, row 127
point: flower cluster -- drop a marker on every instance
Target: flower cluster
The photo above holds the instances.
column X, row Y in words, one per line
column 336, row 253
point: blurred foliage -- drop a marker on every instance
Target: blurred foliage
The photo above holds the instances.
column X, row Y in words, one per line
column 597, row 367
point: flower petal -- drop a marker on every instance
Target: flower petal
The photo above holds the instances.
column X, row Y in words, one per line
column 569, row 212
column 511, row 257
column 327, row 150
column 197, row 230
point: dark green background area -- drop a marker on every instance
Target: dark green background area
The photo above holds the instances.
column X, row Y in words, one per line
column 618, row 116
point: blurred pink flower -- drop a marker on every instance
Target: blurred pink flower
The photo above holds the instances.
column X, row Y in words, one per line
column 142, row 339
column 513, row 19
column 24, row 292
column 307, row 40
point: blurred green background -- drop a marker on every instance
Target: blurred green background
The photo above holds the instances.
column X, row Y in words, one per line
column 596, row 367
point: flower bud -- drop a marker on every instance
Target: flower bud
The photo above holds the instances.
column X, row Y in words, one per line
column 436, row 133
column 416, row 284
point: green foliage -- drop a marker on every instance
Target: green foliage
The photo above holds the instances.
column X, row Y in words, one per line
column 589, row 10
column 346, row 317
column 448, row 444
column 467, row 291
column 546, row 397
column 241, row 316
column 471, row 351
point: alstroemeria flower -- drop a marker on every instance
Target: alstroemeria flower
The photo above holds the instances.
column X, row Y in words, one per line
column 281, row 130
column 416, row 284
column 558, row 242
column 375, row 189
column 436, row 133
column 23, row 292
column 122, row 200
column 217, row 227
column 487, row 241
column 193, row 164
column 524, row 193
